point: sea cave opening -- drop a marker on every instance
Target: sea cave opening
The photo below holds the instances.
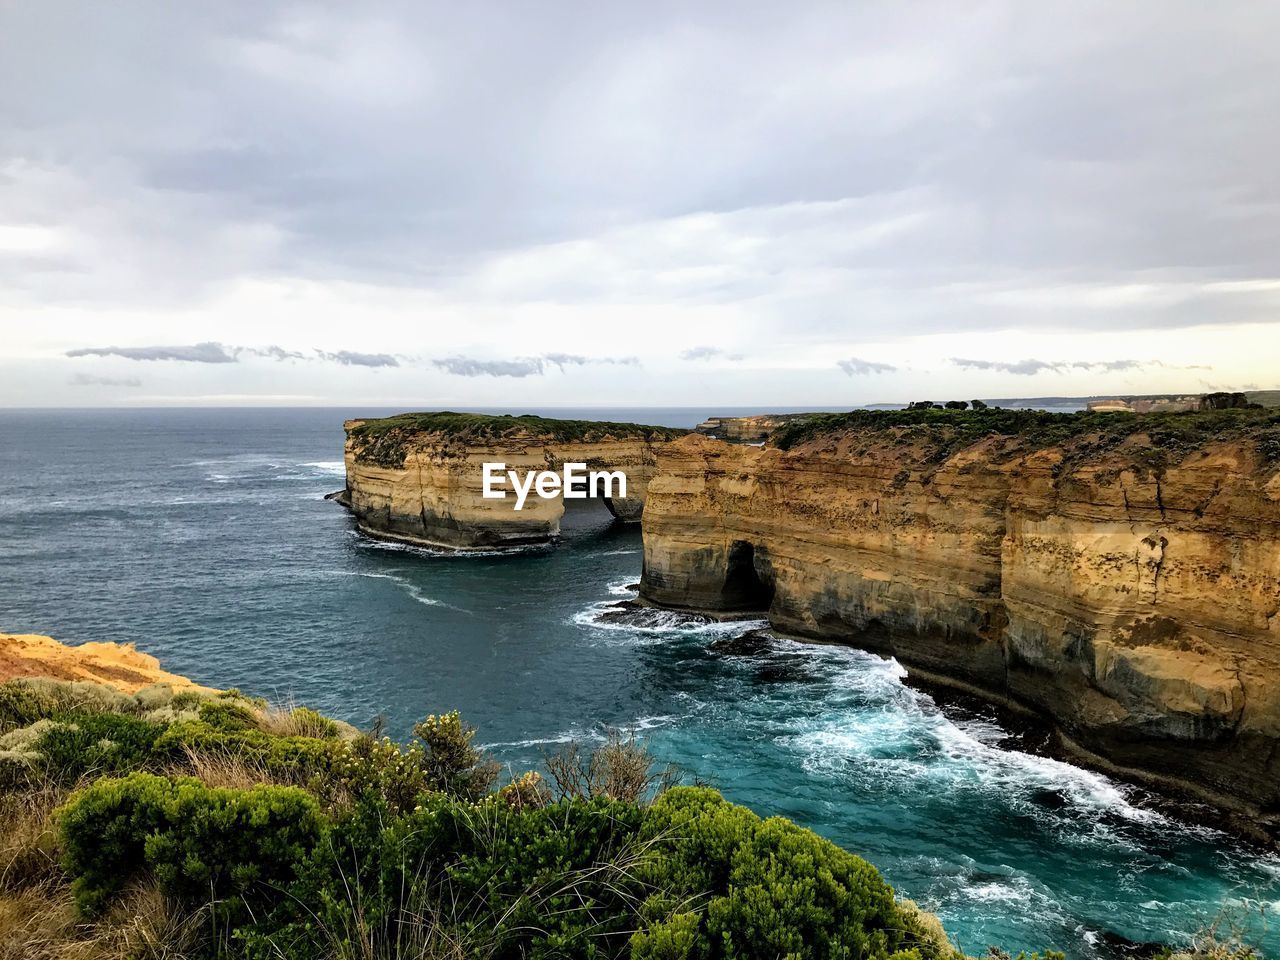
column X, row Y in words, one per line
column 748, row 580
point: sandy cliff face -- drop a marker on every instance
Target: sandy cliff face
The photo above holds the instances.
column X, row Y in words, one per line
column 117, row 665
column 435, row 495
column 1134, row 607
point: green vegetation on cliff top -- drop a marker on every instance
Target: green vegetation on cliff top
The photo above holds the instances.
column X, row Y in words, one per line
column 384, row 441
column 198, row 825
column 1169, row 434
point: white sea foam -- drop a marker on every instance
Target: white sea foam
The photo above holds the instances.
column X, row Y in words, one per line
column 997, row 893
column 598, row 734
column 334, row 467
column 890, row 732
column 652, row 624
column 408, row 586
column 392, row 546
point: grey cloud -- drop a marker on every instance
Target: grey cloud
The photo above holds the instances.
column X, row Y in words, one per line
column 350, row 358
column 468, row 367
column 524, row 366
column 563, row 360
column 222, row 353
column 196, row 353
column 856, row 367
column 90, row 380
column 708, row 353
column 659, row 162
column 1022, row 367
column 274, row 353
column 1031, row 367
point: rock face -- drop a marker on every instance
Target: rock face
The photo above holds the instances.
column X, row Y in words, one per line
column 423, row 483
column 1130, row 600
column 114, row 664
column 753, row 429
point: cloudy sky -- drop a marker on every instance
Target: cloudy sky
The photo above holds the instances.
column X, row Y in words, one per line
column 620, row 203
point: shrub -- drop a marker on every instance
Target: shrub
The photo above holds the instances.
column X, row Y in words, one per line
column 97, row 743
column 26, row 700
column 387, row 440
column 197, row 841
column 621, row 769
column 450, row 763
column 774, row 889
column 228, row 716
column 555, row 881
column 302, row 761
column 527, row 791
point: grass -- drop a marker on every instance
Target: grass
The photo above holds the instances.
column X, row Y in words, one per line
column 1166, row 436
column 385, row 441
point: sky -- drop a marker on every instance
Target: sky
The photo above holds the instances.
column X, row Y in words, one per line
column 568, row 203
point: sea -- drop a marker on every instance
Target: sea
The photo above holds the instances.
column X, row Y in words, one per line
column 203, row 536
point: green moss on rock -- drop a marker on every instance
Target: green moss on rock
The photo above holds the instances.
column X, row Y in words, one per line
column 1154, row 439
column 386, row 441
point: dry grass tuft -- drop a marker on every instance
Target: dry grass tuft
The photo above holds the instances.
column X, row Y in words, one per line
column 29, row 847
column 226, row 768
column 42, row 924
column 290, row 720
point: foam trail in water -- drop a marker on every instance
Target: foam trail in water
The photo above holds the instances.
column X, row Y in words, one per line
column 408, row 586
column 373, row 543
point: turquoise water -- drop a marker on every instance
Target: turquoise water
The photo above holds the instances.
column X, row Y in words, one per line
column 202, row 536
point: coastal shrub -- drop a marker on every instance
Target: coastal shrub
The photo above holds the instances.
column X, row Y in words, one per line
column 297, row 722
column 556, row 881
column 359, row 847
column 25, row 700
column 297, row 760
column 228, row 716
column 951, row 431
column 449, row 761
column 97, row 743
column 196, row 841
column 772, row 888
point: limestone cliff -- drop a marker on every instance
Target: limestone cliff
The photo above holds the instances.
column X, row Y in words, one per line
column 418, row 478
column 1119, row 576
column 117, row 665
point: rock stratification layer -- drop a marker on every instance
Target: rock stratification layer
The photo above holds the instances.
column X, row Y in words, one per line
column 419, row 478
column 1118, row 576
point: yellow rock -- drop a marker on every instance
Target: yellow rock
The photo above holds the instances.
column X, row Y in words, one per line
column 1136, row 610
column 118, row 665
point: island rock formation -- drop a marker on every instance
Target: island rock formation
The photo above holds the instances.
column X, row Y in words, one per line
column 1119, row 576
column 418, row 478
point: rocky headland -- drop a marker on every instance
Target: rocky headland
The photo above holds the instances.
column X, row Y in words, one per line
column 418, row 478
column 1117, row 576
column 118, row 665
